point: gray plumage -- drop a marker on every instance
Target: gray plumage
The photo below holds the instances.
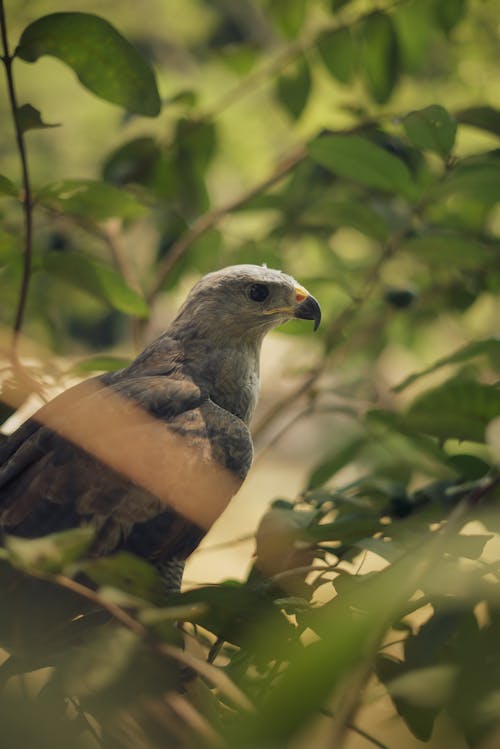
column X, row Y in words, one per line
column 151, row 454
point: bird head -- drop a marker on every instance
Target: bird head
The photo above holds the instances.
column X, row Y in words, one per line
column 246, row 301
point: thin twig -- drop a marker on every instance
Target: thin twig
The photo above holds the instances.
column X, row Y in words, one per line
column 350, row 701
column 356, row 729
column 213, row 674
column 337, row 326
column 110, row 233
column 84, row 717
column 209, row 220
column 27, row 201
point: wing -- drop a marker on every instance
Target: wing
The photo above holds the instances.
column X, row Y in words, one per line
column 149, row 461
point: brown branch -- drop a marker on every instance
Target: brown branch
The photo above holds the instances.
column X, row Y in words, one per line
column 356, row 729
column 337, row 325
column 27, row 201
column 217, row 677
column 213, row 218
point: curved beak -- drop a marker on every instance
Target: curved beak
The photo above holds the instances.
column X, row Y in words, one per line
column 308, row 307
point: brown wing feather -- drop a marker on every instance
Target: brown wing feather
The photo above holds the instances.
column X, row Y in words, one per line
column 149, row 461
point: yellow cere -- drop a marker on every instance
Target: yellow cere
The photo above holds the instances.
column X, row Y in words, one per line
column 300, row 294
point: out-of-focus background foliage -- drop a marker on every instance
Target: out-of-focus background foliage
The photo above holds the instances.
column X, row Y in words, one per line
column 355, row 145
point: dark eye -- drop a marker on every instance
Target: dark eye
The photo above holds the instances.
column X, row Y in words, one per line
column 257, row 292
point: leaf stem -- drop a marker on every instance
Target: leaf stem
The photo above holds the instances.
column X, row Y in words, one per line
column 27, row 201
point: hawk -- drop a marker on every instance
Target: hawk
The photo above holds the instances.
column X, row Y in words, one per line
column 150, row 455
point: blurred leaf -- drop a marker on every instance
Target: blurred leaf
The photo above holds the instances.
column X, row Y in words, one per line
column 418, row 711
column 97, row 279
column 7, row 187
column 431, row 128
column 50, row 553
column 414, row 24
column 92, row 200
column 449, row 249
column 484, row 118
column 469, row 467
column 99, row 663
column 493, row 439
column 449, row 12
column 30, row 118
column 358, row 159
column 230, row 609
column 289, row 15
column 334, row 462
column 425, row 687
column 459, row 409
column 336, row 49
column 104, row 61
column 358, row 215
column 350, row 628
column 470, row 546
column 336, row 5
column 100, row 364
column 379, row 55
column 477, row 178
column 400, row 298
column 294, row 86
column 128, row 573
column 489, row 347
column 133, row 161
column 394, row 422
column 347, row 529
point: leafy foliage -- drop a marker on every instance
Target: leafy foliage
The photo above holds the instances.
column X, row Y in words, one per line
column 382, row 197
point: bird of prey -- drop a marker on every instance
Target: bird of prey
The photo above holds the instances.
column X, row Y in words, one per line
column 150, row 455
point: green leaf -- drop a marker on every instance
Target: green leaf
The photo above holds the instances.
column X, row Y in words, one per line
column 92, row 200
column 100, row 364
column 414, row 25
column 49, row 554
column 336, row 49
column 347, row 530
column 101, row 662
column 335, row 462
column 133, row 161
column 379, row 55
column 458, row 409
column 484, row 118
column 104, row 61
column 470, row 546
column 336, row 5
column 289, row 15
column 127, row 573
column 294, row 86
column 477, row 177
column 447, row 248
column 30, row 118
column 96, row 279
column 449, row 12
column 489, row 347
column 493, row 439
column 400, row 298
column 359, row 215
column 469, row 467
column 432, row 129
column 7, row 187
column 360, row 160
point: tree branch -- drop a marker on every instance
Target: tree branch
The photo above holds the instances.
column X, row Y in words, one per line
column 213, row 218
column 26, row 201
